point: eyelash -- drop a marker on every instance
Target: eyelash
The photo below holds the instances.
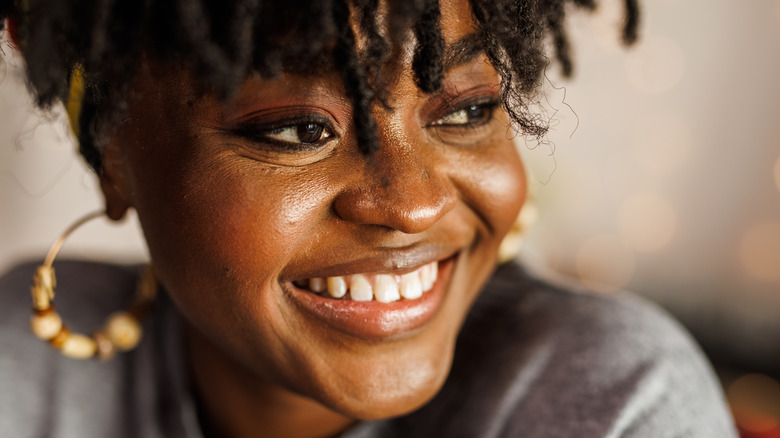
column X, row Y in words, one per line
column 261, row 132
column 486, row 104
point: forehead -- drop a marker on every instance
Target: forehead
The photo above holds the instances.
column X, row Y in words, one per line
column 456, row 20
column 313, row 68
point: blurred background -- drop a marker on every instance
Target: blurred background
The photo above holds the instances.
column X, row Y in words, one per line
column 661, row 175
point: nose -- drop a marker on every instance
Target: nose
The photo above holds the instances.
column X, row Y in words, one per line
column 407, row 192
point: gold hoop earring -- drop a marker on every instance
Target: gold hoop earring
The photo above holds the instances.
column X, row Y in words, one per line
column 513, row 241
column 122, row 330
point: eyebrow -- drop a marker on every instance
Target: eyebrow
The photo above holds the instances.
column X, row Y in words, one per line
column 462, row 51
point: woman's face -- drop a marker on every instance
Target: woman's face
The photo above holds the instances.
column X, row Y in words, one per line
column 243, row 204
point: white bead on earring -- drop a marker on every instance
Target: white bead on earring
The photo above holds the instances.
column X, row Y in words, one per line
column 122, row 330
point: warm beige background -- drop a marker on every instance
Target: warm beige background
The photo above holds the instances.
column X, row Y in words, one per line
column 44, row 185
column 671, row 182
column 669, row 185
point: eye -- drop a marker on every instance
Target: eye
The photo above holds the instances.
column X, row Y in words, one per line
column 474, row 114
column 305, row 133
column 289, row 135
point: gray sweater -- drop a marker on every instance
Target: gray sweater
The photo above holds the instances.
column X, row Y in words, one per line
column 532, row 360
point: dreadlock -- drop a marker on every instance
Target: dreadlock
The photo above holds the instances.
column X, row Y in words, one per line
column 222, row 41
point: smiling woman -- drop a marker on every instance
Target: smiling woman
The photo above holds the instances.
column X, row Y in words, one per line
column 323, row 188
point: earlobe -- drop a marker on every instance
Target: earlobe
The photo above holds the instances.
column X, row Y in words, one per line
column 113, row 183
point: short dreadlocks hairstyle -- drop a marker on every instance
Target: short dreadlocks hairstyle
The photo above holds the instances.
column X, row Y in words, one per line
column 223, row 41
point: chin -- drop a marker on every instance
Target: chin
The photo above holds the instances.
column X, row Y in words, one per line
column 388, row 392
column 375, row 378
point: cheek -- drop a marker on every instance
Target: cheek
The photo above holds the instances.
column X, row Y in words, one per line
column 492, row 182
column 242, row 221
column 216, row 222
column 221, row 236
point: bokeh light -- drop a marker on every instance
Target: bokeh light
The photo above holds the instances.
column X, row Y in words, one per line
column 656, row 66
column 647, row 222
column 760, row 251
column 755, row 403
column 604, row 263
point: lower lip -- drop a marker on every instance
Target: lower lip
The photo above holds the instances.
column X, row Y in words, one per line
column 373, row 319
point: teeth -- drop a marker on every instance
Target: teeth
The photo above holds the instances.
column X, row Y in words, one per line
column 411, row 287
column 318, row 284
column 360, row 288
column 385, row 288
column 426, row 277
column 337, row 287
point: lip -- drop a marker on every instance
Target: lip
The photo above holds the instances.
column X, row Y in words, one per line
column 395, row 260
column 373, row 320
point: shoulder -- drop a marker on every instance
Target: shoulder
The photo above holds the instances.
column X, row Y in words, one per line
column 614, row 331
column 621, row 326
column 536, row 359
column 45, row 393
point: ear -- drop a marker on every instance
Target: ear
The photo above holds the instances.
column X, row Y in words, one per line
column 113, row 182
column 10, row 25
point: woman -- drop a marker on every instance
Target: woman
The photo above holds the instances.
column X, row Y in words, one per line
column 323, row 188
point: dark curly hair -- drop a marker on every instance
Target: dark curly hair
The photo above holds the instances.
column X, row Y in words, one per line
column 222, row 41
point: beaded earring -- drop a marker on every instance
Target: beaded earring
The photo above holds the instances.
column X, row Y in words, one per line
column 513, row 241
column 122, row 330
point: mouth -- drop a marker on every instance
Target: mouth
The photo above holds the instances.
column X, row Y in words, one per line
column 385, row 288
column 375, row 305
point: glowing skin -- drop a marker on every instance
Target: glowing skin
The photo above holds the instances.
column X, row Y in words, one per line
column 233, row 223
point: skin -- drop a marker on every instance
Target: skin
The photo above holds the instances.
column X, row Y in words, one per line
column 230, row 221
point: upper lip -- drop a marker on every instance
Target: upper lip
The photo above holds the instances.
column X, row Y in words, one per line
column 395, row 261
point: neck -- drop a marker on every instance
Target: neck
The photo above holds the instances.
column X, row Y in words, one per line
column 234, row 402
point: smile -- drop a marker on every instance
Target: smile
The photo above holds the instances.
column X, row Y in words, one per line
column 378, row 305
column 385, row 288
